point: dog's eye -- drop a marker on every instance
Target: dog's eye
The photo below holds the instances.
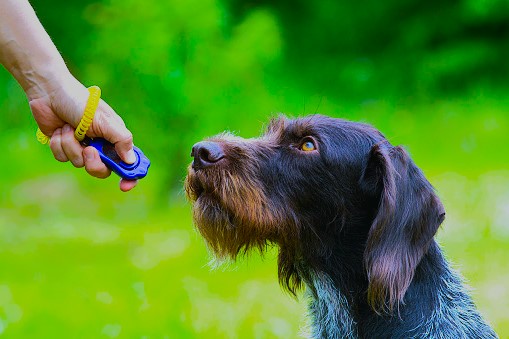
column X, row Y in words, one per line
column 308, row 146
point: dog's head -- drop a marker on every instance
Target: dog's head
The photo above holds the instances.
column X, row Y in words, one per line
column 310, row 185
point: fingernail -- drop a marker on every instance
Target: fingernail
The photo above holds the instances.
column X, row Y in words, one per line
column 131, row 157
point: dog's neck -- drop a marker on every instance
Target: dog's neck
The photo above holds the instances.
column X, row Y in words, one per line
column 335, row 286
column 329, row 309
column 435, row 303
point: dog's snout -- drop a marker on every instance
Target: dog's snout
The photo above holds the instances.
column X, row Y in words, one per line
column 206, row 153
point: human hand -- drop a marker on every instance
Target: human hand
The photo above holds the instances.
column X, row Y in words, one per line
column 58, row 106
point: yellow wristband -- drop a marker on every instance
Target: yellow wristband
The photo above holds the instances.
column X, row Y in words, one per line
column 41, row 137
column 88, row 115
column 86, row 119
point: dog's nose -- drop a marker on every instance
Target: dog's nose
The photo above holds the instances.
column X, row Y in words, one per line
column 206, row 153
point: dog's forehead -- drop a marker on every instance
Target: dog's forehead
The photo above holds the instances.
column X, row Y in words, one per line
column 322, row 126
column 282, row 125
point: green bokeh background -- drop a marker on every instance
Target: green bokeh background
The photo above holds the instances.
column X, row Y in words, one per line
column 80, row 259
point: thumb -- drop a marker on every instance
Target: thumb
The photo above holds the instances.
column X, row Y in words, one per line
column 124, row 149
column 109, row 125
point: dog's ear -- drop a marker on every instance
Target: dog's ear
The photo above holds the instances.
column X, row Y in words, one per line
column 409, row 214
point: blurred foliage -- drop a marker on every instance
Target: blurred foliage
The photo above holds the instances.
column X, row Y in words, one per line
column 81, row 259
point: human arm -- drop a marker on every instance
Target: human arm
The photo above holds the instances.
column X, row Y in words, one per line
column 57, row 99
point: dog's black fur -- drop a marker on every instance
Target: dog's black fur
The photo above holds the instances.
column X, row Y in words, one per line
column 354, row 219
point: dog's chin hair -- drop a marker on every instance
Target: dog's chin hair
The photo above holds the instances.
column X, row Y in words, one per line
column 221, row 263
column 227, row 241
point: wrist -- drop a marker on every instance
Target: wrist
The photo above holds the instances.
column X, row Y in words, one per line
column 45, row 80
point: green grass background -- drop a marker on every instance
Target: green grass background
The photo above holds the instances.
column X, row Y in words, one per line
column 80, row 259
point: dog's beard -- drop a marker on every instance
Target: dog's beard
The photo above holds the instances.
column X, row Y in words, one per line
column 216, row 226
column 231, row 212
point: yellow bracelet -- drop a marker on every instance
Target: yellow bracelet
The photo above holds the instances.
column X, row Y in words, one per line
column 88, row 115
column 86, row 119
column 41, row 137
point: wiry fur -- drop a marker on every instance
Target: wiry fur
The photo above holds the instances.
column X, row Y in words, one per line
column 329, row 310
column 354, row 221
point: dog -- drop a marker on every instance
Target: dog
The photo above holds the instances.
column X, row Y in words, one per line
column 354, row 219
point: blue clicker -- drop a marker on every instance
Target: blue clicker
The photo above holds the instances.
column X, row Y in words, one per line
column 110, row 158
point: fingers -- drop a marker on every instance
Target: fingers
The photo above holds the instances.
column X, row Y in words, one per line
column 93, row 164
column 127, row 185
column 71, row 147
column 65, row 148
column 56, row 146
column 95, row 167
